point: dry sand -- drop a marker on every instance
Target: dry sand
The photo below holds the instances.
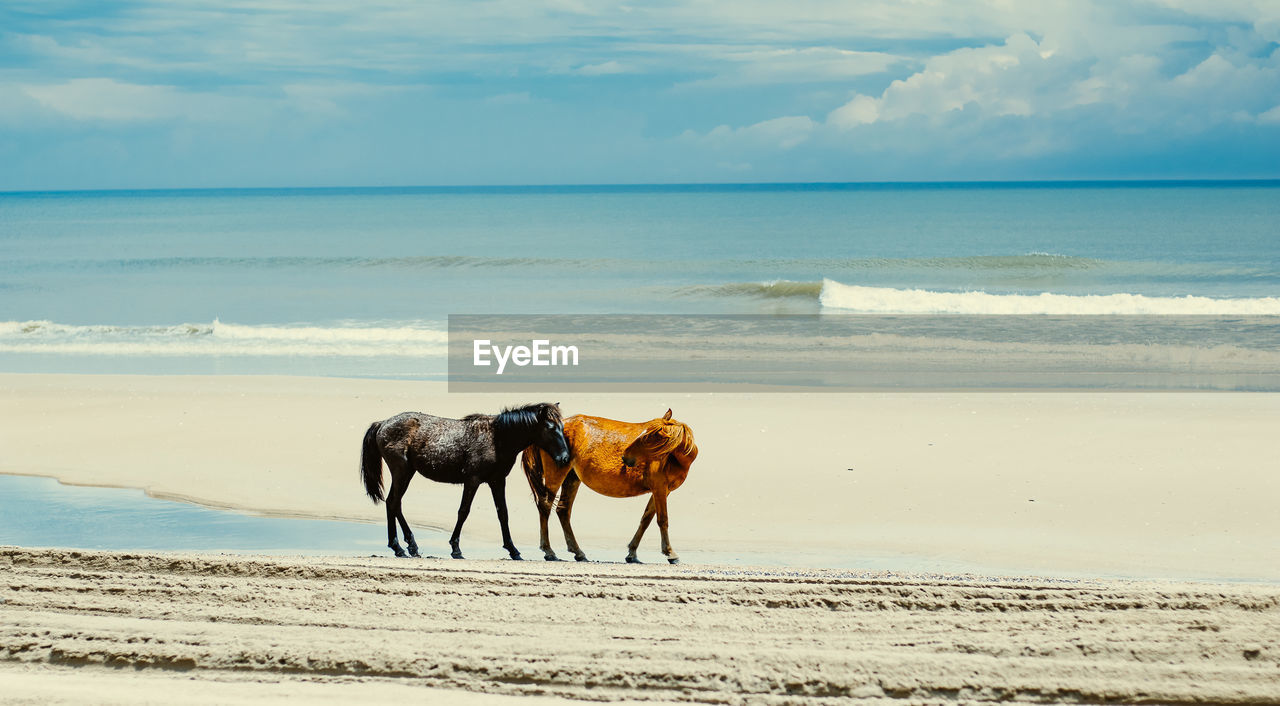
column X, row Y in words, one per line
column 1147, row 485
column 226, row 629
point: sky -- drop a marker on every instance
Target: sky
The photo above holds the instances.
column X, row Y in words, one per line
column 264, row 93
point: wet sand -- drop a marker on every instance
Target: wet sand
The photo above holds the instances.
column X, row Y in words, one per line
column 116, row 627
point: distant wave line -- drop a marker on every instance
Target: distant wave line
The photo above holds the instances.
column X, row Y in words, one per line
column 287, row 261
column 1026, row 261
column 1021, row 265
column 768, row 290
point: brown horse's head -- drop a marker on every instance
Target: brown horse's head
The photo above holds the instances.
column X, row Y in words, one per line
column 661, row 437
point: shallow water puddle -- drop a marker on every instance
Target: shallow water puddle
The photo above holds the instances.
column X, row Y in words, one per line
column 41, row 512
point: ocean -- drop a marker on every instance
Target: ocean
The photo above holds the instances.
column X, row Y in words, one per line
column 360, row 282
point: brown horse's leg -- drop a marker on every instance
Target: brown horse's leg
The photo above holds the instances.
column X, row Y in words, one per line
column 469, row 489
column 544, row 543
column 660, row 500
column 564, row 508
column 534, row 462
column 499, row 490
column 552, row 477
column 645, row 519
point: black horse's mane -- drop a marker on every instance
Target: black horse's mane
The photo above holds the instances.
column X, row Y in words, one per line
column 519, row 417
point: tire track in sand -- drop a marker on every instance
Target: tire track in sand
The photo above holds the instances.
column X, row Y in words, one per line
column 613, row 631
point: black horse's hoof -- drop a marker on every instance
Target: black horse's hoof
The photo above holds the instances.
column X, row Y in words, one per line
column 633, row 560
column 516, row 557
column 399, row 552
column 413, row 552
column 673, row 560
column 457, row 555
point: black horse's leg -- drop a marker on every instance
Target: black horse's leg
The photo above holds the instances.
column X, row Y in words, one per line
column 394, row 494
column 645, row 519
column 404, row 524
column 498, row 488
column 564, row 508
column 469, row 488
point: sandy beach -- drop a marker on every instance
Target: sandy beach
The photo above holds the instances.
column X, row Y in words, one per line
column 144, row 628
column 992, row 490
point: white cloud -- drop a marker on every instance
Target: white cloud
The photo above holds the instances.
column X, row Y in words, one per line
column 334, row 98
column 111, row 100
column 1047, row 83
column 776, row 134
column 516, row 98
column 603, row 68
column 17, row 107
column 862, row 110
column 108, row 101
column 747, row 66
column 1015, row 78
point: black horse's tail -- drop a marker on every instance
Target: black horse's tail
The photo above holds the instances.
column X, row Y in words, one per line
column 531, row 460
column 371, row 464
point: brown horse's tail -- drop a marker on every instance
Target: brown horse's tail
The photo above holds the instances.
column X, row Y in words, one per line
column 371, row 463
column 531, row 460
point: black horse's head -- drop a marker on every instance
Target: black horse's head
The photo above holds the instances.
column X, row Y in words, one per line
column 551, row 433
column 544, row 423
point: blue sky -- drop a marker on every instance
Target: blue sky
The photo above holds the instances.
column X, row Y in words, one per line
column 183, row 93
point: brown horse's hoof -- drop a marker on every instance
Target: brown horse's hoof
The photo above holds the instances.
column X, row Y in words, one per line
column 552, row 557
column 674, row 560
column 581, row 557
column 633, row 560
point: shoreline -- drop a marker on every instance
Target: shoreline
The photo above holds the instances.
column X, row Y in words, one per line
column 758, row 556
column 1129, row 484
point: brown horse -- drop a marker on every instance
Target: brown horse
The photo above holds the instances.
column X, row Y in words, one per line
column 618, row 459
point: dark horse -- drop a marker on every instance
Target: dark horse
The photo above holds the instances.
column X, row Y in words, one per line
column 479, row 448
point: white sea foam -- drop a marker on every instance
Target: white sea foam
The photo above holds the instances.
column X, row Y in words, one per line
column 885, row 300
column 221, row 339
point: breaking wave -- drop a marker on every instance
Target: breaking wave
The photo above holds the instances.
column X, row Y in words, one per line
column 885, row 300
column 221, row 339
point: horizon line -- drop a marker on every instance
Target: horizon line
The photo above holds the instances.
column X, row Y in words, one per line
column 677, row 186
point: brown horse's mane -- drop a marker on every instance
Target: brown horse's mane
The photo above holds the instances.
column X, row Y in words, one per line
column 664, row 436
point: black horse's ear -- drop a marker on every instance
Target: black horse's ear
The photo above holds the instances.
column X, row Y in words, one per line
column 668, row 414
